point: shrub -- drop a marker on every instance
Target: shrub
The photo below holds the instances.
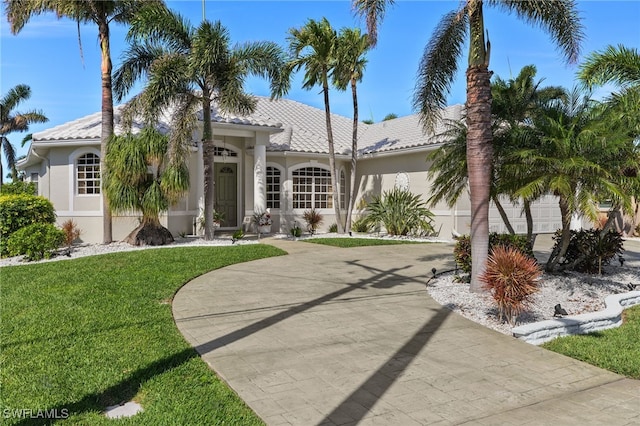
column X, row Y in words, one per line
column 19, row 187
column 313, row 220
column 401, row 213
column 295, row 232
column 462, row 249
column 237, row 235
column 333, row 227
column 361, row 224
column 512, row 278
column 590, row 249
column 20, row 210
column 71, row 232
column 35, row 241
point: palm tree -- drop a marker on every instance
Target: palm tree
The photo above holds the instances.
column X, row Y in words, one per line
column 573, row 161
column 137, row 165
column 349, row 69
column 101, row 13
column 13, row 121
column 188, row 69
column 437, row 71
column 313, row 47
column 620, row 66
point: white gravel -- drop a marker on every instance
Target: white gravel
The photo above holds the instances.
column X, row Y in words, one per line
column 577, row 293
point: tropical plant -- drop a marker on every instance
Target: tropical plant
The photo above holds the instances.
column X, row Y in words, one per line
column 313, row 47
column 436, row 73
column 620, row 66
column 35, row 241
column 401, row 213
column 462, row 248
column 137, row 165
column 191, row 69
column 590, row 249
column 512, row 278
column 295, row 232
column 102, row 13
column 237, row 236
column 14, row 121
column 313, row 218
column 390, row 116
column 349, row 69
column 361, row 225
column 262, row 218
column 574, row 161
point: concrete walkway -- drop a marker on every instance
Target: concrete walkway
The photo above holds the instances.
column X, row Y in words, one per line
column 329, row 336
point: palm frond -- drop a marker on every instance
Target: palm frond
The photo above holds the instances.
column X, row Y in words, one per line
column 560, row 18
column 438, row 67
column 615, row 64
column 373, row 12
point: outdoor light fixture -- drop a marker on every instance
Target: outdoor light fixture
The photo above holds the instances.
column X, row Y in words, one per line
column 433, row 271
column 559, row 311
column 621, row 260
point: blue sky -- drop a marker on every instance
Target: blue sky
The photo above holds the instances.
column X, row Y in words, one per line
column 45, row 55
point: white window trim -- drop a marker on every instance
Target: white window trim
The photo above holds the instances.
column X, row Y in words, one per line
column 282, row 183
column 73, row 157
column 327, row 210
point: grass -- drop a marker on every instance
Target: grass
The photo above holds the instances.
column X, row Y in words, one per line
column 615, row 349
column 358, row 242
column 83, row 334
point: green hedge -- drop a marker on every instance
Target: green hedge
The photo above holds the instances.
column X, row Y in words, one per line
column 462, row 249
column 20, row 210
column 35, row 241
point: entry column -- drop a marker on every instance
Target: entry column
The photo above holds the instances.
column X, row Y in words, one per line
column 260, row 172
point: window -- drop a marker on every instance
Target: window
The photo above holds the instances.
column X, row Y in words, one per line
column 343, row 189
column 88, row 174
column 312, row 188
column 34, row 179
column 273, row 188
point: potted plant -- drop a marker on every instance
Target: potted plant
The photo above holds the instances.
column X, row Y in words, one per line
column 262, row 221
column 218, row 218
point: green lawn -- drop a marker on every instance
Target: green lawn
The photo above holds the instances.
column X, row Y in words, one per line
column 358, row 242
column 83, row 334
column 616, row 349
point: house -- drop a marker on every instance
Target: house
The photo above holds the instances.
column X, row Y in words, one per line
column 276, row 159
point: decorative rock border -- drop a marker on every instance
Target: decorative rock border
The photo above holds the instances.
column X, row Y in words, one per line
column 611, row 317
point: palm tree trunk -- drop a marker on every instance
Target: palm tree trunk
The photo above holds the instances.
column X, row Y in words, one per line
column 479, row 158
column 529, row 217
column 332, row 155
column 107, row 122
column 556, row 255
column 354, row 156
column 207, row 157
column 503, row 215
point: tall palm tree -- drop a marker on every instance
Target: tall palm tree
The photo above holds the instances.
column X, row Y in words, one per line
column 349, row 69
column 101, row 13
column 313, row 47
column 14, row 121
column 189, row 68
column 436, row 73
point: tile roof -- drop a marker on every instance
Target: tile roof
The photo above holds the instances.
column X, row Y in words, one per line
column 303, row 128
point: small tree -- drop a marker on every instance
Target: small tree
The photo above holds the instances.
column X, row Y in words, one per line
column 136, row 166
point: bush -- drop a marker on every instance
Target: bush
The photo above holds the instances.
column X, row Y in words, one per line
column 20, row 210
column 35, row 241
column 333, row 227
column 401, row 213
column 19, row 187
column 295, row 232
column 512, row 278
column 313, row 220
column 71, row 232
column 590, row 249
column 462, row 249
column 361, row 224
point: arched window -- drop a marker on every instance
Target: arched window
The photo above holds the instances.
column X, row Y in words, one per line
column 88, row 174
column 311, row 188
column 273, row 187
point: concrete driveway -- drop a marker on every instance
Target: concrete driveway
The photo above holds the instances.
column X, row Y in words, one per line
column 330, row 336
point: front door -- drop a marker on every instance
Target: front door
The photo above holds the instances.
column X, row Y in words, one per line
column 227, row 192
